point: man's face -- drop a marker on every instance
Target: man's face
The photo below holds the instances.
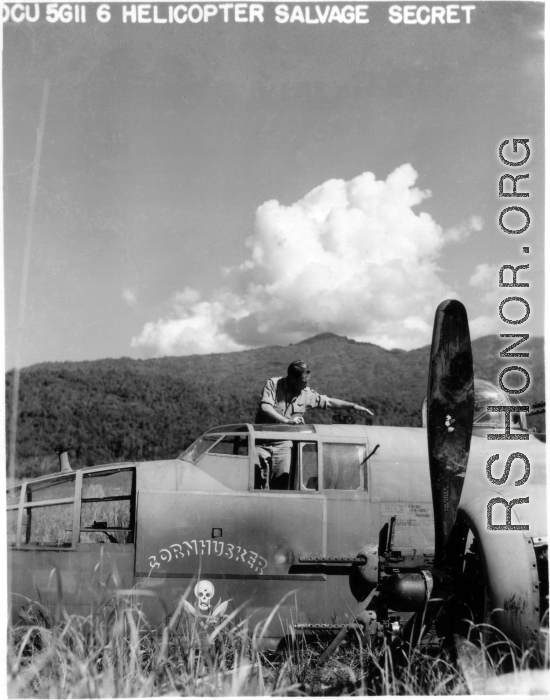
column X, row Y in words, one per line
column 301, row 382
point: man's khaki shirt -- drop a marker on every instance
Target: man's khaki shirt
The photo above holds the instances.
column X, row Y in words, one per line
column 278, row 394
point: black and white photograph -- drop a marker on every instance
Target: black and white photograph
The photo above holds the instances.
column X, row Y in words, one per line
column 274, row 304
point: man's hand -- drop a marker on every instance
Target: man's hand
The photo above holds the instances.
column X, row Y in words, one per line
column 278, row 417
column 340, row 405
column 361, row 409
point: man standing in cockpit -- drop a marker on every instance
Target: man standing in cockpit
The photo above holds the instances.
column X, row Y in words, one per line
column 285, row 400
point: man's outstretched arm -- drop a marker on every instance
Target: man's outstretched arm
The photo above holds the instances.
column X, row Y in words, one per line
column 340, row 405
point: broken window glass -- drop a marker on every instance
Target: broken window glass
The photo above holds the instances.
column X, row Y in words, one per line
column 107, row 484
column 13, row 496
column 11, row 533
column 51, row 489
column 49, row 526
column 106, row 512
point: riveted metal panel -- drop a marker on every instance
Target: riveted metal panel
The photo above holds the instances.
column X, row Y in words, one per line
column 240, row 534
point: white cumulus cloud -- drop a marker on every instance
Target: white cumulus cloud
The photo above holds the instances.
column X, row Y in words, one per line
column 194, row 328
column 353, row 258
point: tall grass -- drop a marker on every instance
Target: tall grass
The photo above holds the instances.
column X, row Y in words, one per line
column 118, row 655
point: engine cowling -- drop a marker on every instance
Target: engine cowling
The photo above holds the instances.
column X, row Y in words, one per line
column 516, row 583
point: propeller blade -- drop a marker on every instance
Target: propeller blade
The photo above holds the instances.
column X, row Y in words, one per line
column 450, row 415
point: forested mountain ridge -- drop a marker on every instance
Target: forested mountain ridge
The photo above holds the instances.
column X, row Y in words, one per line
column 114, row 410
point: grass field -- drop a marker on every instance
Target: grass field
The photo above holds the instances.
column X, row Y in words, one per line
column 119, row 656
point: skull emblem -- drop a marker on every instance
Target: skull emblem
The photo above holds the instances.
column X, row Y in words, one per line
column 204, row 591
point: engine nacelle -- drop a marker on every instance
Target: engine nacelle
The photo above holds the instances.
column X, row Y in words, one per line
column 516, row 584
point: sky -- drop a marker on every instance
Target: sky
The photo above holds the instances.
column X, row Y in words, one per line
column 210, row 187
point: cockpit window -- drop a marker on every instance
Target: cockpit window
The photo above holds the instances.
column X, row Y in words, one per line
column 236, row 445
column 284, row 428
column 309, row 477
column 487, row 394
column 195, row 451
column 228, row 429
column 223, row 457
column 343, row 466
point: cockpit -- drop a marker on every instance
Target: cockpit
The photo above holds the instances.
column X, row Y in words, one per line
column 241, row 458
column 488, row 394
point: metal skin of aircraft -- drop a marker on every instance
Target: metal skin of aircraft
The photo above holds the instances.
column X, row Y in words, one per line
column 351, row 540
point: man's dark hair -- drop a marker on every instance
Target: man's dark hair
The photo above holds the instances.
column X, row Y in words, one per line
column 297, row 368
